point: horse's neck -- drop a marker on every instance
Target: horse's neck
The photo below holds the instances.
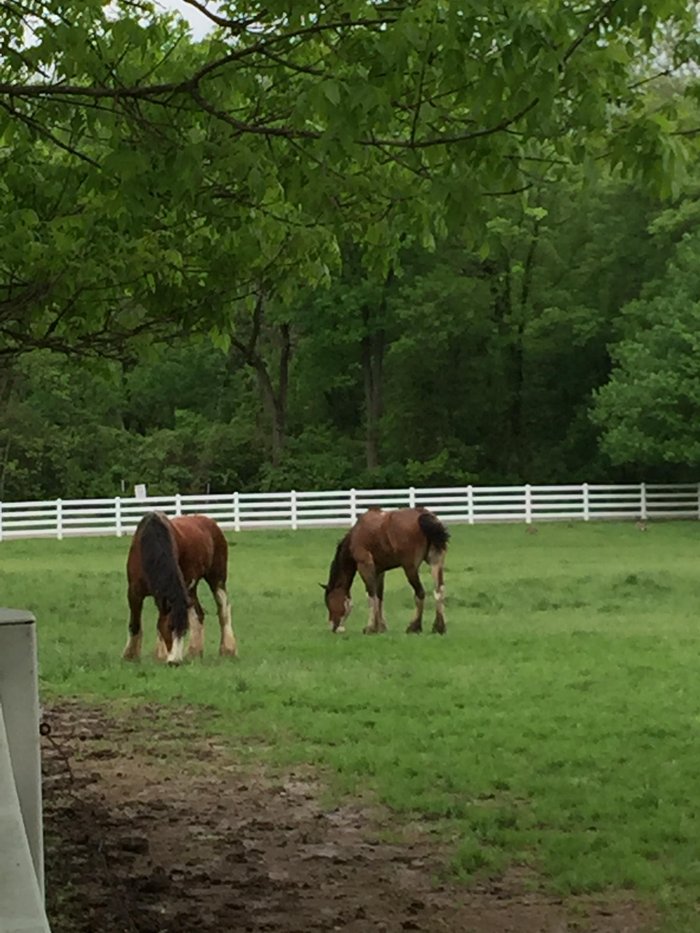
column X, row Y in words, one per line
column 346, row 567
column 347, row 574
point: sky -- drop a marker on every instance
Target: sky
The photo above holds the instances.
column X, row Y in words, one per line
column 199, row 24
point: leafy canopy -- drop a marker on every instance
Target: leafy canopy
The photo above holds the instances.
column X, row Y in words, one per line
column 149, row 180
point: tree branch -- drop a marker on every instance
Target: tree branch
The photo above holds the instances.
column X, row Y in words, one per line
column 42, row 131
column 604, row 12
column 235, row 25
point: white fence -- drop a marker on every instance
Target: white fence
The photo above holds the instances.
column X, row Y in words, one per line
column 60, row 518
column 21, row 846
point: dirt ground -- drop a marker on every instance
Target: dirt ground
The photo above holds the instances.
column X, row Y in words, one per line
column 142, row 837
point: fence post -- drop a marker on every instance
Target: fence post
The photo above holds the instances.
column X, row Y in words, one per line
column 118, row 516
column 19, row 708
column 178, row 505
column 236, row 512
column 293, row 508
column 470, row 504
column 353, row 506
column 528, row 504
column 411, row 497
column 0, row 521
column 59, row 519
column 586, row 503
column 643, row 513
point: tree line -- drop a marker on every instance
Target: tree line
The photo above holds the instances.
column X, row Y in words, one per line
column 369, row 243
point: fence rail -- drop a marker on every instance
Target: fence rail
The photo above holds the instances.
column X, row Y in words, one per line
column 60, row 518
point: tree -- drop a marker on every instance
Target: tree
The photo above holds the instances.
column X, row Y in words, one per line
column 488, row 365
column 383, row 121
column 649, row 410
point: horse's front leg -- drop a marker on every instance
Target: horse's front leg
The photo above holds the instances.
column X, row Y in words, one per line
column 416, row 623
column 380, row 597
column 372, row 583
column 132, row 651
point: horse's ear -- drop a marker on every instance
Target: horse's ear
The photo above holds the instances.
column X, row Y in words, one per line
column 323, row 587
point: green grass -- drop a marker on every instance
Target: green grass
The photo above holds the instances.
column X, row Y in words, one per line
column 556, row 725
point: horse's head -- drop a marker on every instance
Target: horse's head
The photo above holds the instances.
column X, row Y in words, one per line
column 172, row 622
column 165, row 625
column 338, row 604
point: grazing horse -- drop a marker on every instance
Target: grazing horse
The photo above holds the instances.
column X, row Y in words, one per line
column 380, row 541
column 167, row 559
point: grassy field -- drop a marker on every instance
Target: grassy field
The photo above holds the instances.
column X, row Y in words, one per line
column 556, row 725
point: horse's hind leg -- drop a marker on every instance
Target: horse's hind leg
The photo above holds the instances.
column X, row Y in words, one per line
column 374, row 583
column 437, row 563
column 416, row 623
column 227, row 645
column 376, row 622
column 196, row 624
column 132, row 651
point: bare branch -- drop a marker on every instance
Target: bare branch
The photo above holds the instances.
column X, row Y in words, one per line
column 602, row 14
column 42, row 131
column 235, row 25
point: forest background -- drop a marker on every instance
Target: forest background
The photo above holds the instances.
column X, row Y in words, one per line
column 362, row 244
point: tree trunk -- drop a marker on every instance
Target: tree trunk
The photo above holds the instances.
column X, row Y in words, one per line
column 498, row 443
column 3, row 470
column 7, row 384
column 373, row 346
column 274, row 396
column 373, row 349
column 517, row 414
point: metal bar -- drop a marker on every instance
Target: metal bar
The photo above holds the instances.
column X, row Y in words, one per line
column 19, row 700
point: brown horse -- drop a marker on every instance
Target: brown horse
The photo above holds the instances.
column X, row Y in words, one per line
column 167, row 559
column 380, row 541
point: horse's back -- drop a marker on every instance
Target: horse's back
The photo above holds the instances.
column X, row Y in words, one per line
column 391, row 522
column 393, row 538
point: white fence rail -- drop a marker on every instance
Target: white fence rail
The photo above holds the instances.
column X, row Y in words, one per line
column 59, row 518
column 21, row 836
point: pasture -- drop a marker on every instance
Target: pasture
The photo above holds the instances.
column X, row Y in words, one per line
column 554, row 727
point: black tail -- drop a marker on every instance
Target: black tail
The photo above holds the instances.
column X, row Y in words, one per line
column 434, row 531
column 162, row 571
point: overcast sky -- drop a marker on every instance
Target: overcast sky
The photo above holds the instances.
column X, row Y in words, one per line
column 199, row 24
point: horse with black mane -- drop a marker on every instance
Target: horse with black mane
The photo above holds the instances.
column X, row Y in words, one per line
column 167, row 559
column 381, row 541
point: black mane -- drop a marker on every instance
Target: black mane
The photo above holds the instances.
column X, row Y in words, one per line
column 162, row 570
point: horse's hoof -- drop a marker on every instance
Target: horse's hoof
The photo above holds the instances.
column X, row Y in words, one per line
column 174, row 663
column 369, row 631
column 413, row 629
column 439, row 628
column 340, row 630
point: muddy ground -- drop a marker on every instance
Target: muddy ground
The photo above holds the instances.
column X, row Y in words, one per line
column 154, row 831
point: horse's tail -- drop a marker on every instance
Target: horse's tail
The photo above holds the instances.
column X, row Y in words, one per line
column 435, row 532
column 162, row 571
